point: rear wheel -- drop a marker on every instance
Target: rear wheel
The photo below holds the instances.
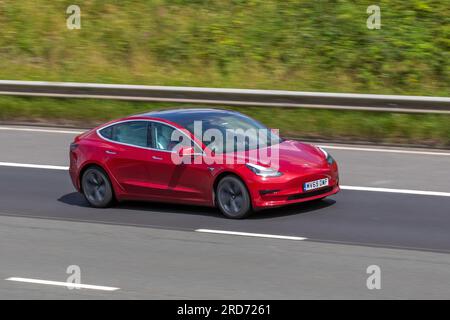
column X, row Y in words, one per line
column 97, row 188
column 233, row 198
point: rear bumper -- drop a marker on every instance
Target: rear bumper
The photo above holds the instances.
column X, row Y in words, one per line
column 74, row 178
column 74, row 170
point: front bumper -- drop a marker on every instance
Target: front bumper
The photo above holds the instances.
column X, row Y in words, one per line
column 295, row 198
column 288, row 189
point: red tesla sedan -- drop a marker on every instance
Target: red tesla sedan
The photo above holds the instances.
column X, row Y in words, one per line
column 203, row 157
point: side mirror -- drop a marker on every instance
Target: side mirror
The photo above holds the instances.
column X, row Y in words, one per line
column 186, row 152
column 276, row 132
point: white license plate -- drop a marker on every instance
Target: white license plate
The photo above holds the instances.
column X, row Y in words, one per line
column 313, row 185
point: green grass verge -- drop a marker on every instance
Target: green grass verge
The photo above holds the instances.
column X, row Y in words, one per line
column 353, row 126
column 321, row 45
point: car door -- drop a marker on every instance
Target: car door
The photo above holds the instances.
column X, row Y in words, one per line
column 126, row 153
column 177, row 182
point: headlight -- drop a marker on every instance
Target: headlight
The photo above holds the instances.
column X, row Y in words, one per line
column 263, row 171
column 328, row 156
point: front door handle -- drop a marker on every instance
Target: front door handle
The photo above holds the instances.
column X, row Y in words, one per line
column 157, row 158
column 110, row 152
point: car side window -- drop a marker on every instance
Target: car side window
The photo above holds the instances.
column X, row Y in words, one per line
column 162, row 137
column 134, row 133
column 166, row 138
column 107, row 132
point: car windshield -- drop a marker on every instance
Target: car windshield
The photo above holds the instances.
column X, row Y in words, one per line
column 228, row 132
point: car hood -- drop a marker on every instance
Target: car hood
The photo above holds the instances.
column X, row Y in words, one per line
column 288, row 156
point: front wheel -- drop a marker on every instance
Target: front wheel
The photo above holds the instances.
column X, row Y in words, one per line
column 233, row 198
column 97, row 188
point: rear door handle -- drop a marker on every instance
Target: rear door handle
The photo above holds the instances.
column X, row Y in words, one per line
column 157, row 158
column 110, row 152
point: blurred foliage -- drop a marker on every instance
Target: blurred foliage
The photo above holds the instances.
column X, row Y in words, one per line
column 346, row 126
column 320, row 45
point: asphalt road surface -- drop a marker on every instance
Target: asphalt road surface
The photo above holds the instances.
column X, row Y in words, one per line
column 394, row 213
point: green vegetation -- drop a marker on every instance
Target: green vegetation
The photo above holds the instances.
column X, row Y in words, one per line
column 389, row 128
column 321, row 45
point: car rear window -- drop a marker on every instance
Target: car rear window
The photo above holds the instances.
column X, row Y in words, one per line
column 107, row 133
column 133, row 133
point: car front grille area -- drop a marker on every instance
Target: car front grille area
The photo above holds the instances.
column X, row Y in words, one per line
column 310, row 194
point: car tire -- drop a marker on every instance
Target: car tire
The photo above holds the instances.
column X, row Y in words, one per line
column 233, row 198
column 97, row 188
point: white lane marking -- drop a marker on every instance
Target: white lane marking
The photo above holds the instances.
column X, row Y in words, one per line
column 404, row 191
column 246, row 234
column 431, row 153
column 40, row 130
column 354, row 188
column 63, row 284
column 34, row 166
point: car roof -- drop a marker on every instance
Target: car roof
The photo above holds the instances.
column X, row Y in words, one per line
column 175, row 114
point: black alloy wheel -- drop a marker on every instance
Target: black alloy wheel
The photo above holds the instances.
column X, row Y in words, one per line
column 233, row 198
column 97, row 188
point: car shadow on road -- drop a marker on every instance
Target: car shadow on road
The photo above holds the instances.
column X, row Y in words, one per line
column 294, row 209
column 76, row 199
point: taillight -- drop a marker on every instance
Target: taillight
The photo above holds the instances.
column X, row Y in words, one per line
column 73, row 146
